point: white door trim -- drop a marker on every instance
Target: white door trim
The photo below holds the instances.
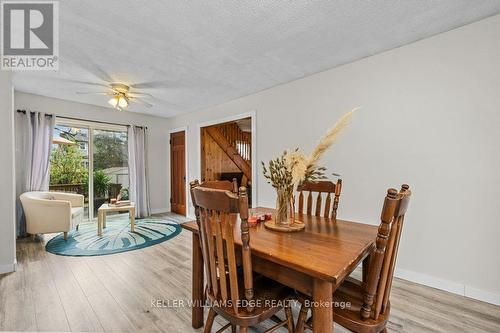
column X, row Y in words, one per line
column 253, row 116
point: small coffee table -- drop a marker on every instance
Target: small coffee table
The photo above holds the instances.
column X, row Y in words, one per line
column 101, row 215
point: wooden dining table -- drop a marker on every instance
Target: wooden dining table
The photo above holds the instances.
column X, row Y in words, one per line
column 313, row 261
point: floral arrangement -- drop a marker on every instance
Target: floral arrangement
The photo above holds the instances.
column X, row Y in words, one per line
column 290, row 169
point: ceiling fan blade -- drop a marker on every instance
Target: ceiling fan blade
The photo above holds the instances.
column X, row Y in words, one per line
column 80, row 58
column 154, row 84
column 97, row 70
column 88, row 83
column 59, row 79
column 136, row 94
column 94, row 93
column 141, row 101
column 166, row 103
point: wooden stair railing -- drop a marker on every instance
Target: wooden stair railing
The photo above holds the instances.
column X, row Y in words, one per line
column 241, row 141
column 230, row 150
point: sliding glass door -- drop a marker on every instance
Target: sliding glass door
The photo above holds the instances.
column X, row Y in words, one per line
column 69, row 162
column 110, row 164
column 90, row 159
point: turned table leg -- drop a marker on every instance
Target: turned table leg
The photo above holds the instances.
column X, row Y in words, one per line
column 322, row 307
column 366, row 265
column 197, row 287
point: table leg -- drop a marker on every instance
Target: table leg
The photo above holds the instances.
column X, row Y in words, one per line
column 132, row 219
column 99, row 223
column 197, row 284
column 322, row 307
column 366, row 265
column 103, row 219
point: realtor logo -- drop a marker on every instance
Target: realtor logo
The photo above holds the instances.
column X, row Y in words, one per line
column 29, row 36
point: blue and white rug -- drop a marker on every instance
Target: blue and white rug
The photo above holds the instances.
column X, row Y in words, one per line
column 116, row 237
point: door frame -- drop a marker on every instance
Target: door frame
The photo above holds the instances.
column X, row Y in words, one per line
column 186, row 160
column 253, row 116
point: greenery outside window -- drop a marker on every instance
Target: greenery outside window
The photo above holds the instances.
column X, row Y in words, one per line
column 84, row 151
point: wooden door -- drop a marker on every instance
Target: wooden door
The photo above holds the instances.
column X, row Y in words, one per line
column 178, row 173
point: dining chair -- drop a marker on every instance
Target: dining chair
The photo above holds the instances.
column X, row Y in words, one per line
column 213, row 184
column 221, row 184
column 320, row 187
column 235, row 294
column 369, row 299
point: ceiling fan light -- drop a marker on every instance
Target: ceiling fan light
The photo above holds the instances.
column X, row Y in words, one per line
column 122, row 102
column 113, row 101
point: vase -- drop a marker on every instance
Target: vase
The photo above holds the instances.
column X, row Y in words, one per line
column 285, row 208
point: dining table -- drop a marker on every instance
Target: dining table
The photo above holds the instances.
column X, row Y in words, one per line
column 313, row 261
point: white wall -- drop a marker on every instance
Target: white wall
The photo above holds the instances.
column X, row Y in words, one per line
column 7, row 175
column 157, row 140
column 430, row 117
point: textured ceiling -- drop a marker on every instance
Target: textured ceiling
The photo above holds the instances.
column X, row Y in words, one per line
column 199, row 53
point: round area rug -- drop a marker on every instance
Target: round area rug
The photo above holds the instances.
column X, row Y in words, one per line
column 116, row 237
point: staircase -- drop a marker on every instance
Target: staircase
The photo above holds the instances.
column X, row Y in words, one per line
column 240, row 140
column 235, row 143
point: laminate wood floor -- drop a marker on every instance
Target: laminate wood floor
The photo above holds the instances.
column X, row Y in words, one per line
column 115, row 293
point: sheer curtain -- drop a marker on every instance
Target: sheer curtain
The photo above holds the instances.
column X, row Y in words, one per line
column 34, row 132
column 137, row 165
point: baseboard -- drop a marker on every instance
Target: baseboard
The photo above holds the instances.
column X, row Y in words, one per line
column 8, row 268
column 431, row 281
column 481, row 295
column 160, row 210
column 449, row 286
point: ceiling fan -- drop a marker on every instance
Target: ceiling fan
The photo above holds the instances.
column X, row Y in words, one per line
column 120, row 95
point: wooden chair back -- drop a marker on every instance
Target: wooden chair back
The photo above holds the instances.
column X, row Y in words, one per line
column 320, row 187
column 225, row 185
column 214, row 184
column 383, row 259
column 218, row 212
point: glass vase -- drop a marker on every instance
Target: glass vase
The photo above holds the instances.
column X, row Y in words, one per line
column 285, row 208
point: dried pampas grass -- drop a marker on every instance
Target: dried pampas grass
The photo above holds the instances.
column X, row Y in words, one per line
column 328, row 139
column 296, row 163
column 294, row 167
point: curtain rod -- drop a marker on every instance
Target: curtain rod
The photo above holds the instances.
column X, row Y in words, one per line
column 24, row 111
column 81, row 119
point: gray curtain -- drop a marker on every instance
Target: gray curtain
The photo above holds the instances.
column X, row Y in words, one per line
column 34, row 132
column 138, row 173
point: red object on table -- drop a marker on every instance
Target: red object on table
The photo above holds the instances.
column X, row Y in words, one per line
column 253, row 221
column 268, row 216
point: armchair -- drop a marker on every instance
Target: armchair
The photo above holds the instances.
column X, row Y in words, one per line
column 49, row 212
